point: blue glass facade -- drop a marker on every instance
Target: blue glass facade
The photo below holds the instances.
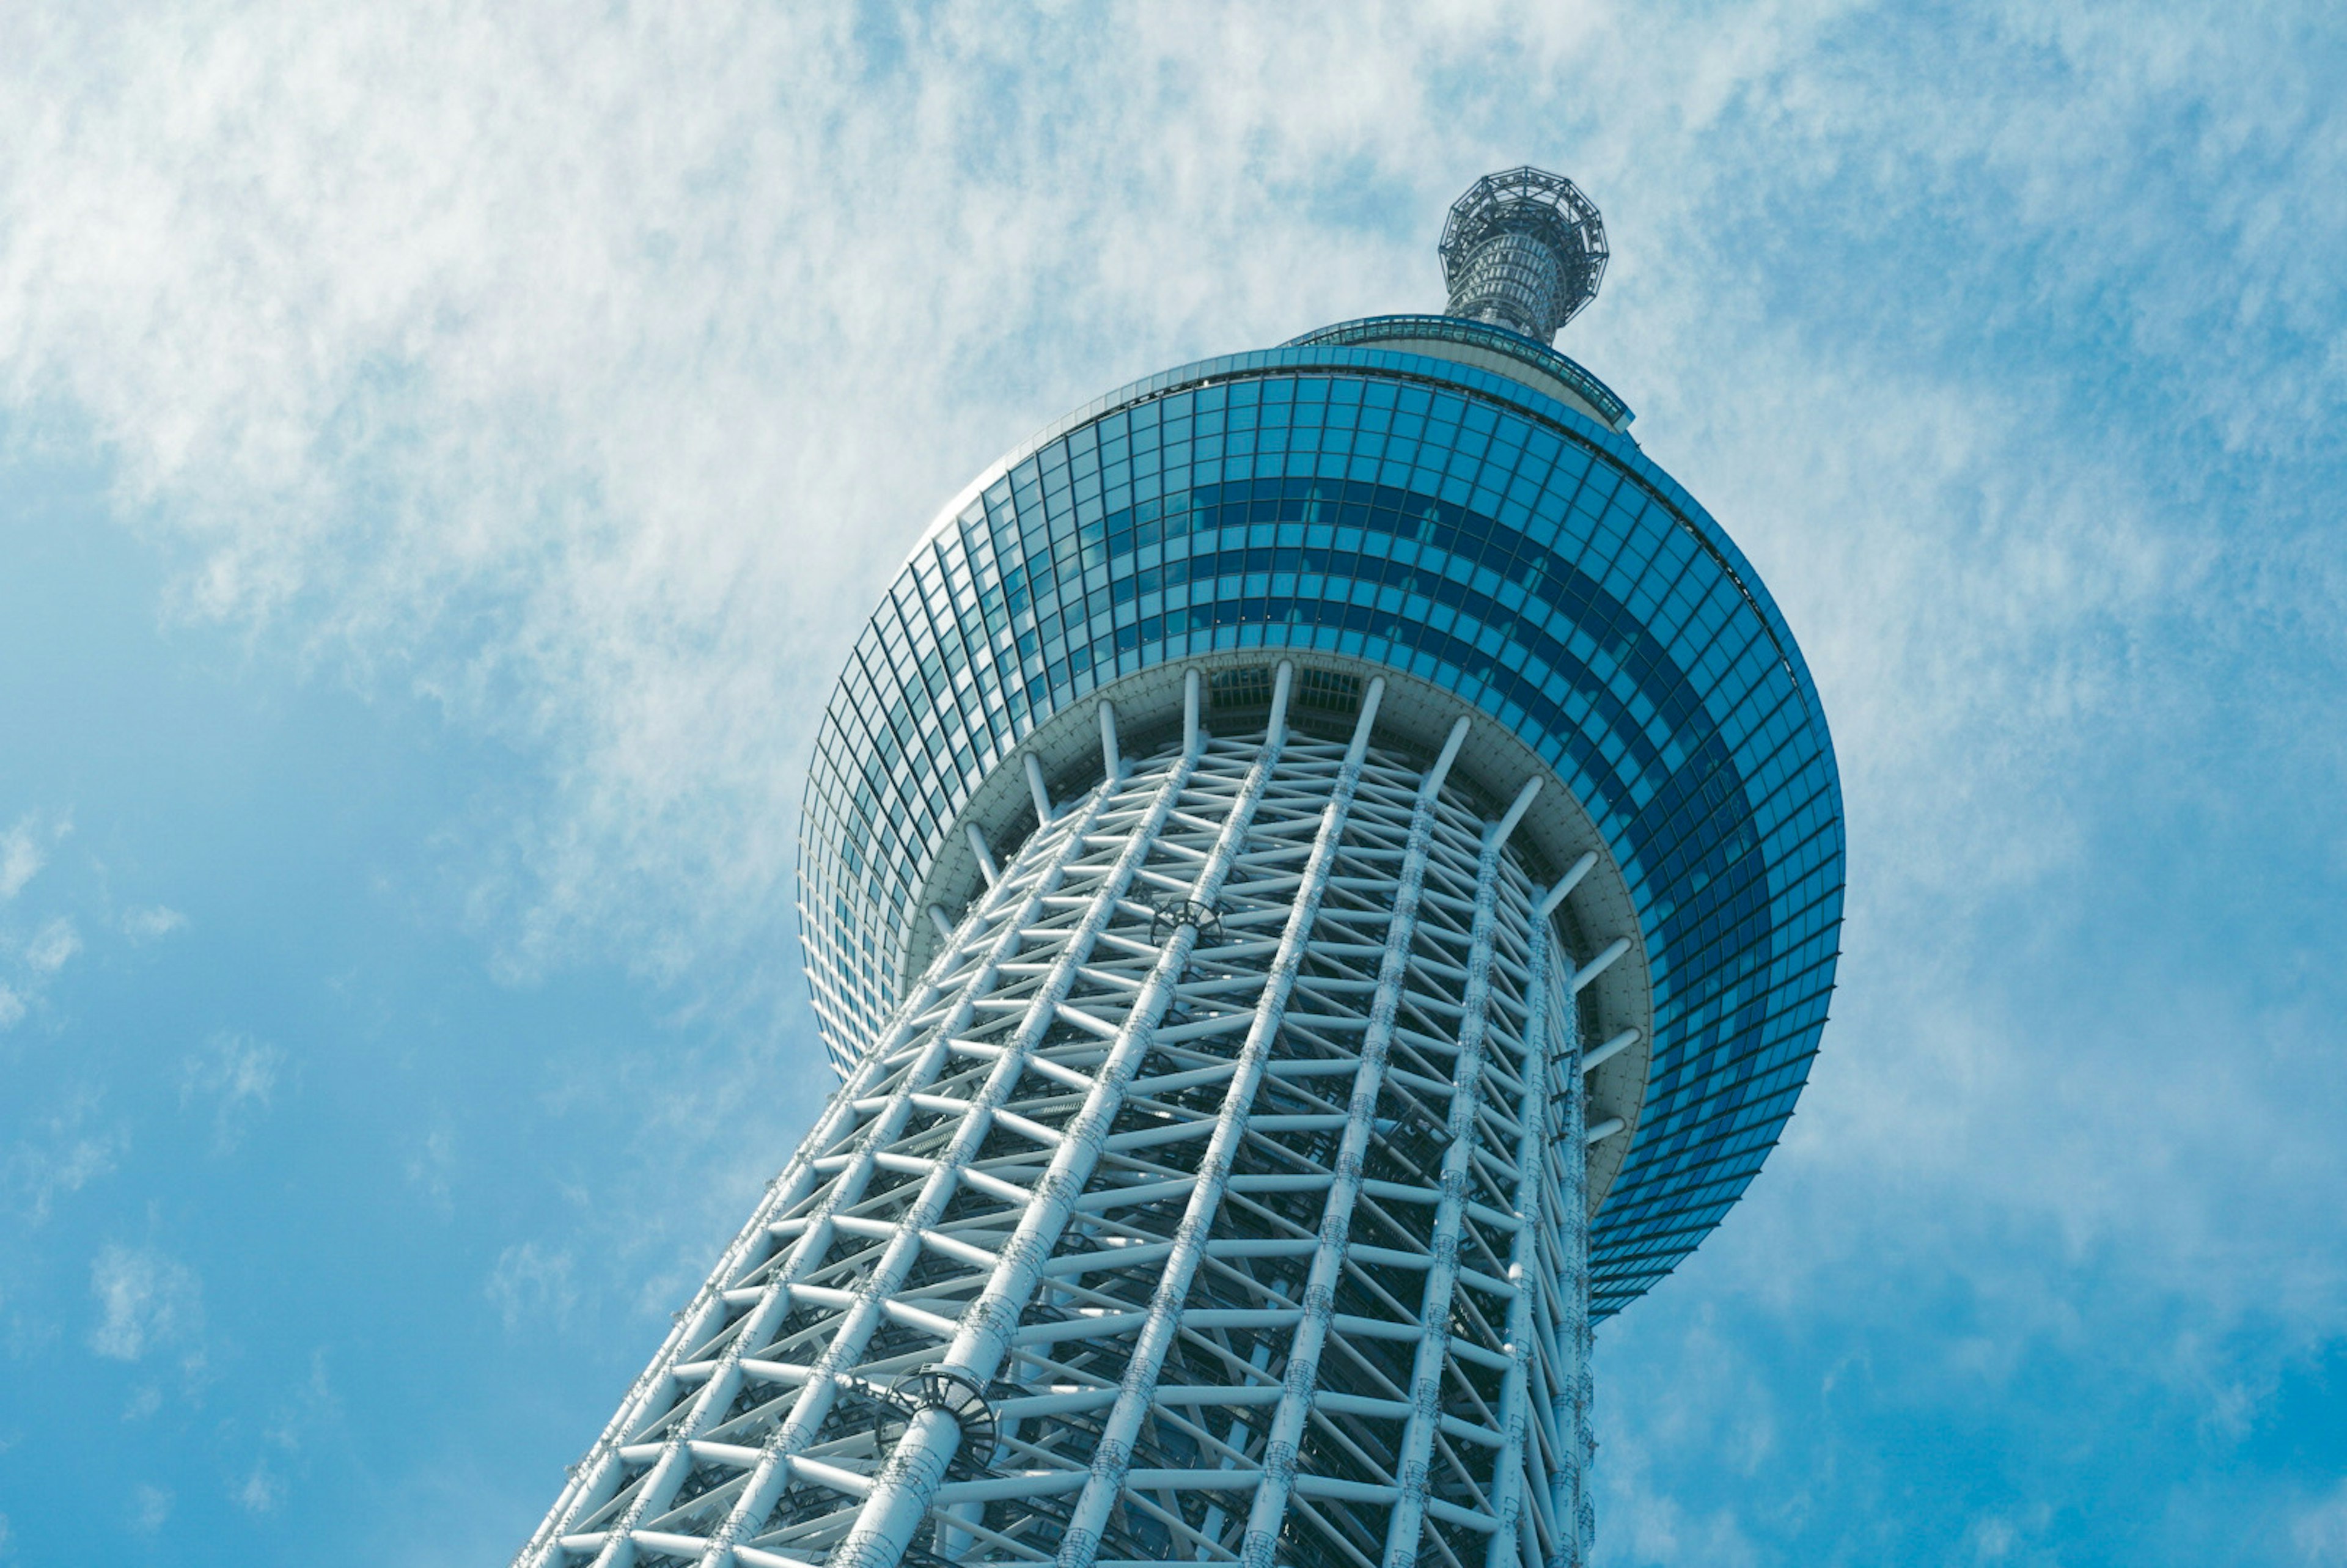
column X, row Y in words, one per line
column 1448, row 520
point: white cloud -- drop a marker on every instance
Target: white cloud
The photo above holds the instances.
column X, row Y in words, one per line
column 71, row 1167
column 146, row 1301
column 262, row 1491
column 152, row 923
column 20, row 858
column 2319, row 1532
column 24, row 852
column 532, row 1283
column 1638, row 1522
column 69, row 1152
column 432, row 1168
column 604, row 422
column 236, row 1074
column 53, row 947
column 150, row 1507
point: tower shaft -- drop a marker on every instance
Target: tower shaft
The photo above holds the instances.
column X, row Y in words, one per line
column 1217, row 1194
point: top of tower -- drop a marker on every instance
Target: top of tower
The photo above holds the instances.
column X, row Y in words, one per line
column 1524, row 250
column 1449, row 505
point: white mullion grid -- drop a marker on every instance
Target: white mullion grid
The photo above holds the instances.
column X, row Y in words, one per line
column 853, row 1332
column 1407, row 1523
column 1113, row 1457
column 591, row 1484
column 909, row 1483
column 1269, row 1507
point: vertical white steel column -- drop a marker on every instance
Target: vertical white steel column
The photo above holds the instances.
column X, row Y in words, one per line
column 1270, row 1502
column 1409, row 1509
column 1114, row 1457
column 1036, row 787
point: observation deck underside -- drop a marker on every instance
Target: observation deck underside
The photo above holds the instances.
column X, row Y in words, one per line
column 1414, row 718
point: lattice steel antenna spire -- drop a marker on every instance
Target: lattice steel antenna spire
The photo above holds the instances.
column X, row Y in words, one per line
column 1320, row 882
column 1524, row 250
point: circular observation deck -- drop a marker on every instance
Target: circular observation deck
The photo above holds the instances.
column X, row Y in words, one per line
column 1453, row 506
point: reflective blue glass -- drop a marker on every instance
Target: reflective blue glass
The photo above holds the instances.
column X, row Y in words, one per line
column 1448, row 520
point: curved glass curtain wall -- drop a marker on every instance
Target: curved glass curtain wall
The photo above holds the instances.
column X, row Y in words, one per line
column 1447, row 521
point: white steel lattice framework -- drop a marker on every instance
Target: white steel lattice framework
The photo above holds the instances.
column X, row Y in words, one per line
column 1216, row 1194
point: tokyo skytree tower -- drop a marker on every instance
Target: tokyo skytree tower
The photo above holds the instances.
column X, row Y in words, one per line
column 1321, row 880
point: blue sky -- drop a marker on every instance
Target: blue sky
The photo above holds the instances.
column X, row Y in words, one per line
column 443, row 457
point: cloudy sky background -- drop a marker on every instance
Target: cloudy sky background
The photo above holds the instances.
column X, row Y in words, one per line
column 445, row 457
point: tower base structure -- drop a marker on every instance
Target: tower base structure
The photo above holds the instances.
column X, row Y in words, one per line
column 1218, row 1194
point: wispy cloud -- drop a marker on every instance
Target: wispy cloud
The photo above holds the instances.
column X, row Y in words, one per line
column 30, row 961
column 21, row 858
column 147, row 1302
column 62, row 1153
column 1640, row 1522
column 2320, row 1532
column 431, row 1168
column 235, row 1075
column 152, row 923
column 150, row 1507
column 53, row 947
column 533, row 1285
column 262, row 1491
